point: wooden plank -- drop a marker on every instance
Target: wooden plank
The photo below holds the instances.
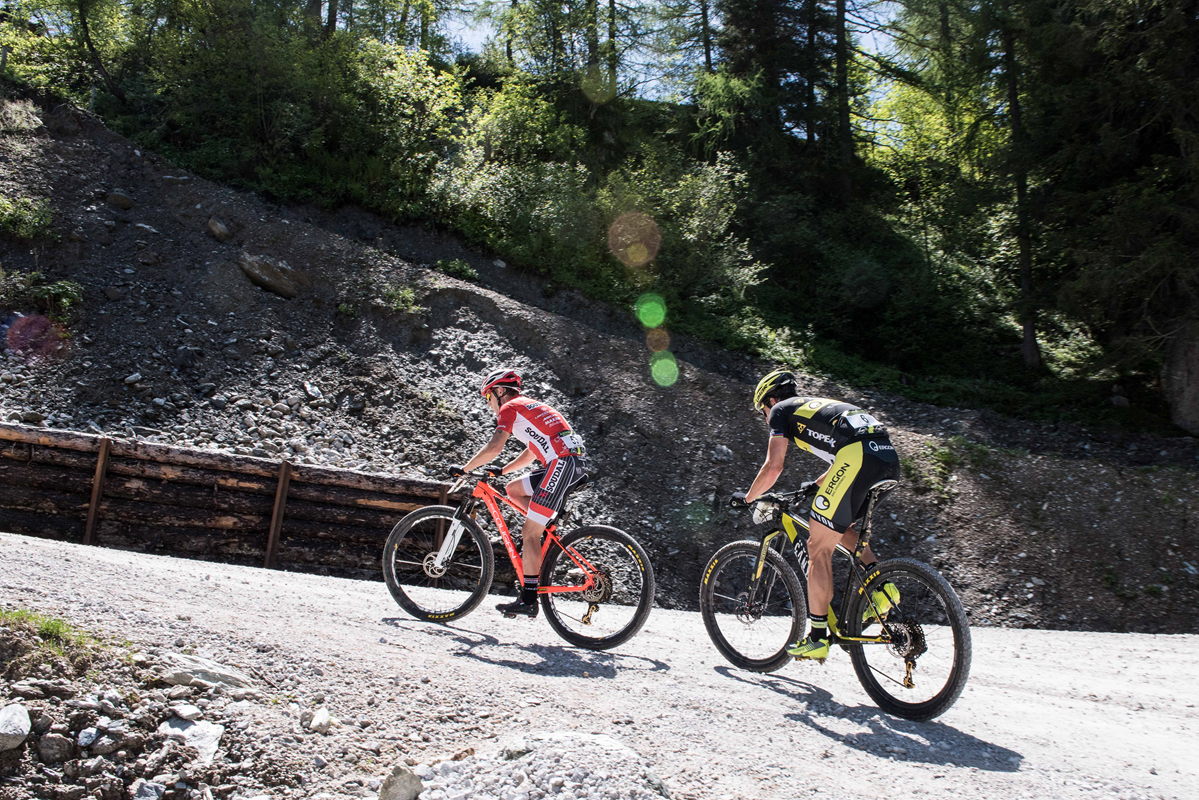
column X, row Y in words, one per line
column 93, row 508
column 44, row 526
column 272, row 543
column 209, row 459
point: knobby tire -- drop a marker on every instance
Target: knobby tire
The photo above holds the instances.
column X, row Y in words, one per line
column 467, row 577
column 755, row 638
column 930, row 609
column 624, row 602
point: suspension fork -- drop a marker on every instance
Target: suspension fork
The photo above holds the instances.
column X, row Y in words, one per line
column 451, row 538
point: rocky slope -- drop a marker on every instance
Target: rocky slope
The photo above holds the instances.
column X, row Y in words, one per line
column 362, row 356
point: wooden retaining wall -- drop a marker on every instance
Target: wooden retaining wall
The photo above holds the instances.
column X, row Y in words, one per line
column 202, row 504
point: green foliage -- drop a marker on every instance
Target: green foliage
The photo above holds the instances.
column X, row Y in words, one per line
column 29, row 289
column 401, row 299
column 22, row 218
column 457, row 268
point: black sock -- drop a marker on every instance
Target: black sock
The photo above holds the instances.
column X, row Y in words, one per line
column 528, row 594
column 819, row 626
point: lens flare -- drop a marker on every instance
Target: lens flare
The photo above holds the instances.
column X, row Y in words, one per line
column 663, row 368
column 598, row 85
column 658, row 340
column 651, row 310
column 634, row 239
column 37, row 337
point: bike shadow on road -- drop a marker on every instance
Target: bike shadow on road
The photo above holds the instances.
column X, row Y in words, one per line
column 929, row 742
column 535, row 659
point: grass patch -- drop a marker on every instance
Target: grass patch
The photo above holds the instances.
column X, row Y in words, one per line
column 457, row 268
column 30, row 640
column 22, row 218
column 18, row 116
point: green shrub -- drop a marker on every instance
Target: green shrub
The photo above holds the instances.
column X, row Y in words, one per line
column 28, row 289
column 401, row 299
column 457, row 268
column 22, row 218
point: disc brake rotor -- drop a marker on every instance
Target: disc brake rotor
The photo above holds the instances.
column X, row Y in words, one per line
column 431, row 568
column 747, row 613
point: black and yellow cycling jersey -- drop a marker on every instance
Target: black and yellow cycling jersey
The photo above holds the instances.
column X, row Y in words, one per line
column 822, row 426
column 851, row 440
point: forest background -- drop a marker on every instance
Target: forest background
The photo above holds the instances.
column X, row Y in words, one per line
column 986, row 204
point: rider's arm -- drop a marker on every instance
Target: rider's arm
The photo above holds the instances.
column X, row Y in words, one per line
column 523, row 460
column 776, row 455
column 488, row 452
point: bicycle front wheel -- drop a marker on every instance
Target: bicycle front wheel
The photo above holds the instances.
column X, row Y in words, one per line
column 427, row 586
column 615, row 605
column 922, row 667
column 751, row 623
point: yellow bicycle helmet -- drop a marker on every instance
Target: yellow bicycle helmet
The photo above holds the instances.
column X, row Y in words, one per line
column 770, row 384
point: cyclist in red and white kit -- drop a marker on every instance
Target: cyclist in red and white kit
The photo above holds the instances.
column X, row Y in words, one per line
column 542, row 493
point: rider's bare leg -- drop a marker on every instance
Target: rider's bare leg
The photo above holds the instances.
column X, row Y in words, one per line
column 517, row 494
column 822, row 541
column 530, row 552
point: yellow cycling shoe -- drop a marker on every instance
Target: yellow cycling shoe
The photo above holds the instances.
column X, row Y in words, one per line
column 884, row 598
column 810, row 649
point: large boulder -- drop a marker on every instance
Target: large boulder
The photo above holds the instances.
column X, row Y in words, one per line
column 14, row 726
column 401, row 784
column 1180, row 377
column 271, row 274
column 180, row 669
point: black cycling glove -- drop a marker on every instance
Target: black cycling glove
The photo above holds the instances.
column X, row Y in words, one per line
column 456, row 471
column 494, row 470
column 737, row 500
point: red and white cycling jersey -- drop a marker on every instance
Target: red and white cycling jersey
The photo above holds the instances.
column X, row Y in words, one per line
column 540, row 427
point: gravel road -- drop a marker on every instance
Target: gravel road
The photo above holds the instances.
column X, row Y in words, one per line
column 1047, row 714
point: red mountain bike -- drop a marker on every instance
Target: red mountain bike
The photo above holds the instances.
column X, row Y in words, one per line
column 597, row 584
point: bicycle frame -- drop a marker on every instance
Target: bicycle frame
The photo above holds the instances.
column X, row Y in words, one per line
column 491, row 498
column 793, row 527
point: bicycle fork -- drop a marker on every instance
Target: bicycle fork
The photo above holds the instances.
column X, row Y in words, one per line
column 450, row 543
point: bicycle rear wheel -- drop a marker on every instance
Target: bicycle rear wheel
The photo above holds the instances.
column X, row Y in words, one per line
column 921, row 671
column 752, row 632
column 618, row 602
column 426, row 590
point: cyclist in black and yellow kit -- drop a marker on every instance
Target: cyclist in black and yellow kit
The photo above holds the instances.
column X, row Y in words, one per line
column 860, row 454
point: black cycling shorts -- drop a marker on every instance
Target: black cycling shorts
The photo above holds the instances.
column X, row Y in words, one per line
column 857, row 466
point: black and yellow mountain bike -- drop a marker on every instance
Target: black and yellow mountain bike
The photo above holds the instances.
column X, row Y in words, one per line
column 912, row 656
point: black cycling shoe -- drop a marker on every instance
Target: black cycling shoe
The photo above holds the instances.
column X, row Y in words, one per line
column 518, row 609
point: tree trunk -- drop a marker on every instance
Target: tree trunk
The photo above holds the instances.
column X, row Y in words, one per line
column 612, row 57
column 511, row 33
column 403, row 28
column 591, row 31
column 1030, row 350
column 1180, row 378
column 705, row 32
column 844, row 131
column 313, row 10
column 113, row 89
column 810, row 78
column 425, row 14
column 331, row 19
